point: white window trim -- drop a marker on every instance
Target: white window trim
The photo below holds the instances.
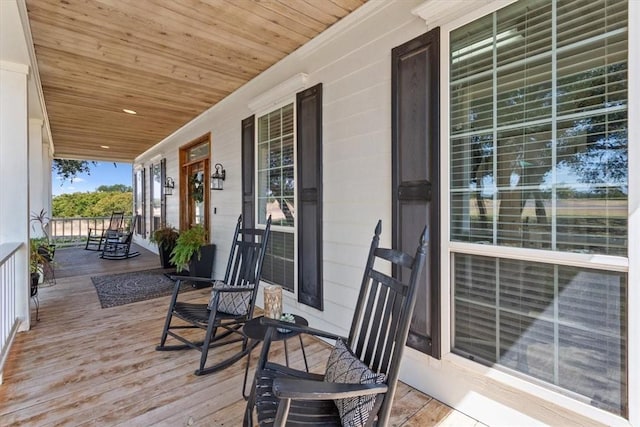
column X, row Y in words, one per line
column 593, row 261
column 633, row 292
column 279, row 94
column 139, row 168
column 291, row 99
column 488, row 377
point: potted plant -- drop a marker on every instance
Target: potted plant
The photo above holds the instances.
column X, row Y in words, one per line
column 43, row 221
column 46, row 248
column 37, row 259
column 192, row 250
column 165, row 237
column 41, row 249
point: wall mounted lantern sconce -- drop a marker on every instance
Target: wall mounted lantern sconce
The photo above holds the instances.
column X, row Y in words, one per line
column 218, row 177
column 169, row 185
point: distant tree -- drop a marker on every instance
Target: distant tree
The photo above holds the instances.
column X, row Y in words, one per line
column 91, row 204
column 109, row 202
column 594, row 148
column 116, row 188
column 68, row 170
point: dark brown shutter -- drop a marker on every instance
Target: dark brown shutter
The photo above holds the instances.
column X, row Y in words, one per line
column 309, row 164
column 415, row 174
column 163, row 199
column 143, row 218
column 248, row 170
column 141, row 225
column 151, row 196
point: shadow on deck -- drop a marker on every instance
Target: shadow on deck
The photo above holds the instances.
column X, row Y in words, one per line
column 84, row 365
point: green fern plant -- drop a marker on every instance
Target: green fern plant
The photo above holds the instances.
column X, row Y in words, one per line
column 187, row 245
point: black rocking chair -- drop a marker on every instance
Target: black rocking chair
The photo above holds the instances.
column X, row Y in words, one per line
column 360, row 380
column 119, row 246
column 97, row 237
column 231, row 304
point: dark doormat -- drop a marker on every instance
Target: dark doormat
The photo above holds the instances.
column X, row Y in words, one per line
column 124, row 288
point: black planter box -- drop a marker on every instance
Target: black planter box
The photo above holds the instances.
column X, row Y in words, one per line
column 165, row 256
column 203, row 267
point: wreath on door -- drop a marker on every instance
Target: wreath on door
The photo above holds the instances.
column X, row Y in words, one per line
column 197, row 187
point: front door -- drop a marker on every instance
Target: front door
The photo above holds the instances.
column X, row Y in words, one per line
column 194, row 183
column 416, row 173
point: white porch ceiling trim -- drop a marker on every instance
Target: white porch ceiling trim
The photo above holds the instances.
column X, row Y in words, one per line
column 364, row 12
column 438, row 12
column 37, row 84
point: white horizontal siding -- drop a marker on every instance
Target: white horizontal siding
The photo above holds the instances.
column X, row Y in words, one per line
column 354, row 65
column 355, row 70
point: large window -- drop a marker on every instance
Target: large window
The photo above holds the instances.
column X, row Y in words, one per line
column 138, row 201
column 156, row 196
column 276, row 193
column 538, row 145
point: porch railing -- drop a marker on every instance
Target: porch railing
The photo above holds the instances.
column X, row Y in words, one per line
column 74, row 231
column 9, row 320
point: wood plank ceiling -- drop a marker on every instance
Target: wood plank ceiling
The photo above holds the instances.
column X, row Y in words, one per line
column 168, row 60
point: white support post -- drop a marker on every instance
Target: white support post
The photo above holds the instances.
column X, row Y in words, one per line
column 47, row 162
column 37, row 192
column 14, row 176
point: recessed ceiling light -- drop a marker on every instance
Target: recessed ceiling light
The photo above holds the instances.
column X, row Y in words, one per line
column 129, row 111
column 104, row 146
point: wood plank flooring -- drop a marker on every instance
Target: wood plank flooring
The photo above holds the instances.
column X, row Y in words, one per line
column 82, row 365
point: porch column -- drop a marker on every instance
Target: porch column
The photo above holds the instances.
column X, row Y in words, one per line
column 37, row 193
column 47, row 162
column 14, row 175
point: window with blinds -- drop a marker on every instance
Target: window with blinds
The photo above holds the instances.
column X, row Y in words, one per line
column 563, row 325
column 538, row 159
column 539, row 127
column 155, row 196
column 138, row 201
column 276, row 192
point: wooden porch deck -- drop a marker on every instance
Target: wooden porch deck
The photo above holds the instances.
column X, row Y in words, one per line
column 84, row 365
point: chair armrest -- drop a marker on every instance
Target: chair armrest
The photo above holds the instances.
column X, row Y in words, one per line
column 296, row 389
column 266, row 321
column 220, row 286
column 282, row 370
column 228, row 289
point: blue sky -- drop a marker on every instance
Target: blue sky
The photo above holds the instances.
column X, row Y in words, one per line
column 102, row 173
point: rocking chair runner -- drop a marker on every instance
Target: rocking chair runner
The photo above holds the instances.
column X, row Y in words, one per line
column 119, row 246
column 97, row 237
column 231, row 304
column 360, row 380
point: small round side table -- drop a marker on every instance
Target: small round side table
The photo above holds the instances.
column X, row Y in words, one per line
column 256, row 331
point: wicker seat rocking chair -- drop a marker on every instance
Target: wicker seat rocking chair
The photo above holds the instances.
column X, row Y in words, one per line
column 358, row 386
column 231, row 304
